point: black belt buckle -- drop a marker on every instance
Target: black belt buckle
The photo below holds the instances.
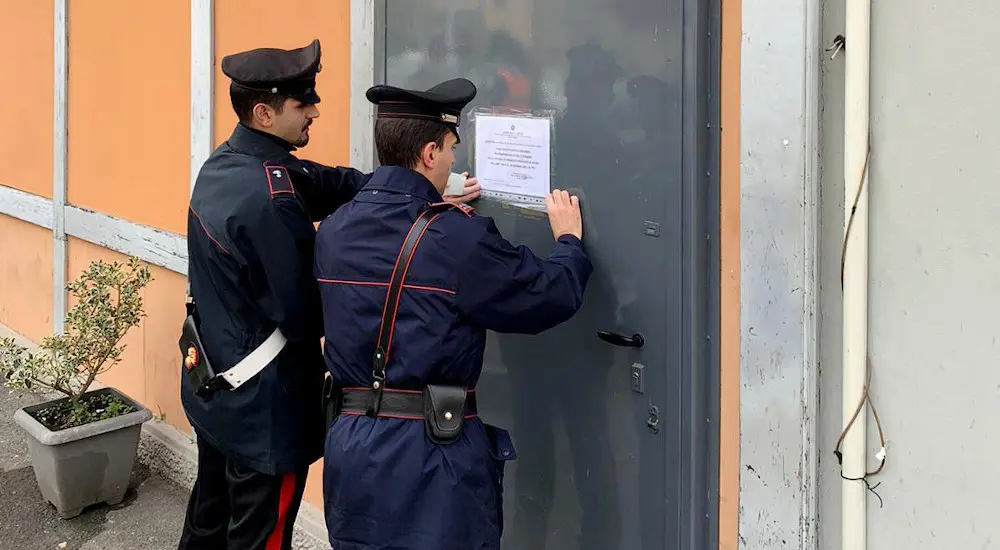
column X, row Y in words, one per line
column 195, row 363
column 444, row 412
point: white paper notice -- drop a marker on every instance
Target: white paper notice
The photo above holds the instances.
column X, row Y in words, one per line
column 513, row 158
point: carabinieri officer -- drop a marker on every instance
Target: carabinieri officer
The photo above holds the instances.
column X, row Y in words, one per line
column 410, row 285
column 251, row 343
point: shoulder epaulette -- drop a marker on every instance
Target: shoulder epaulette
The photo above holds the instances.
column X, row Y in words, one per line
column 278, row 180
column 463, row 208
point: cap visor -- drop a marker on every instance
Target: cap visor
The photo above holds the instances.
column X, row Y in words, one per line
column 311, row 97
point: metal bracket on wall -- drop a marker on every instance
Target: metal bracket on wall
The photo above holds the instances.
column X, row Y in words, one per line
column 839, row 44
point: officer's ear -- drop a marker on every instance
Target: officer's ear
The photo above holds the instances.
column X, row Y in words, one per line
column 263, row 114
column 429, row 154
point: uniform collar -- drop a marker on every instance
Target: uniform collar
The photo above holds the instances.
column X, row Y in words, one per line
column 255, row 143
column 404, row 180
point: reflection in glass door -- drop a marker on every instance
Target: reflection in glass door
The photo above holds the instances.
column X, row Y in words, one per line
column 601, row 407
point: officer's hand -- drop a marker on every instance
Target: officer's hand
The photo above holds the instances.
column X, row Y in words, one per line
column 564, row 214
column 469, row 193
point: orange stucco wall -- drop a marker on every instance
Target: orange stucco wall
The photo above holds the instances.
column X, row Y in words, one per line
column 129, row 109
column 25, row 278
column 27, row 96
column 729, row 391
column 148, row 370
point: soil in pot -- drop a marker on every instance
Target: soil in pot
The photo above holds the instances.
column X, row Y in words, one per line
column 90, row 462
column 90, row 408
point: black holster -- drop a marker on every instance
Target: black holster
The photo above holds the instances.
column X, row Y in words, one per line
column 198, row 371
column 332, row 400
column 444, row 412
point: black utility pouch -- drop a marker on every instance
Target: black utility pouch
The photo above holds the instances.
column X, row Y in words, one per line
column 444, row 413
column 197, row 368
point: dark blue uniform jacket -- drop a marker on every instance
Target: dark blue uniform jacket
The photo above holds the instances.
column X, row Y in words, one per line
column 250, row 250
column 386, row 485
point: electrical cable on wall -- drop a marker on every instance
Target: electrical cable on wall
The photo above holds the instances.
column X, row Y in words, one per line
column 865, row 397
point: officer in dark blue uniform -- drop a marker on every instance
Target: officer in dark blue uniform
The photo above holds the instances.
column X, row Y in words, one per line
column 253, row 373
column 409, row 288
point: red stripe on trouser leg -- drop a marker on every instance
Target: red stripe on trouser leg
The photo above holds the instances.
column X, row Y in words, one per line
column 284, row 502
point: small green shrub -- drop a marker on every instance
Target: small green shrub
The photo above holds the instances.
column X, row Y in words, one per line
column 107, row 300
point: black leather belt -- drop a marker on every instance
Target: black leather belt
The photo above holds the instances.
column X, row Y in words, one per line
column 405, row 404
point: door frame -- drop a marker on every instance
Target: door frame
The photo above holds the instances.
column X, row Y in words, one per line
column 701, row 280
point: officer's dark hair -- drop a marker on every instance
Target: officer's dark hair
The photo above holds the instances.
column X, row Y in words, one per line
column 244, row 99
column 398, row 141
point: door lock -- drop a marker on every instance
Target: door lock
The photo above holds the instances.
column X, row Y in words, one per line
column 638, row 381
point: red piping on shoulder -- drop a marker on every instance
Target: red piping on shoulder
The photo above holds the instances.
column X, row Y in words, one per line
column 270, row 183
column 463, row 208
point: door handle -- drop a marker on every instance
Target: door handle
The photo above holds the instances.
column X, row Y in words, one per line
column 634, row 341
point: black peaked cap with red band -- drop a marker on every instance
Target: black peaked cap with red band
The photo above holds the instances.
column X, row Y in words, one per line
column 290, row 73
column 443, row 103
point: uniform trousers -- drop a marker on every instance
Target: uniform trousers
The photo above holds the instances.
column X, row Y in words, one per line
column 233, row 506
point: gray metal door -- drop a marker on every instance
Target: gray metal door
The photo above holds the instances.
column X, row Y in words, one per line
column 615, row 440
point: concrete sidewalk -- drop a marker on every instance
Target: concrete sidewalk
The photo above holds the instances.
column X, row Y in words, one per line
column 150, row 517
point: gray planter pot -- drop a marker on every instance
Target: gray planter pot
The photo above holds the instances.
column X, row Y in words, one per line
column 85, row 465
